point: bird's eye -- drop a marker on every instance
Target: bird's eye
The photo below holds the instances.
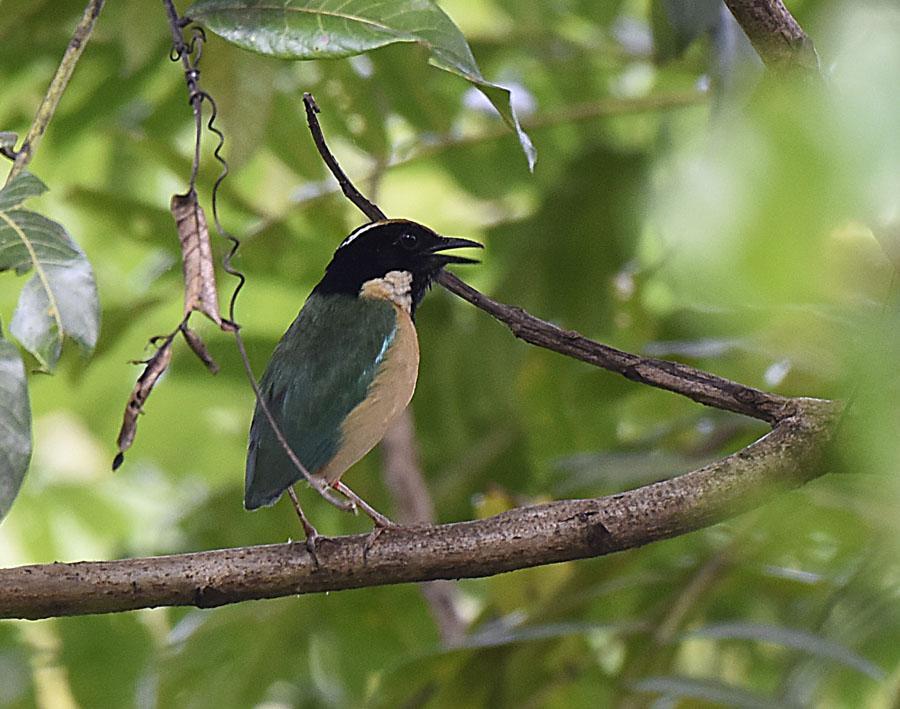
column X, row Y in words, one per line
column 409, row 241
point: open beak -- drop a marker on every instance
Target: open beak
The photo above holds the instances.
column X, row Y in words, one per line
column 454, row 242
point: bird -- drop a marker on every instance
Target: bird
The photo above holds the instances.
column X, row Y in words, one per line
column 347, row 366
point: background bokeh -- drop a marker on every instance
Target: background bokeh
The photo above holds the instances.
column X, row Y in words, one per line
column 680, row 207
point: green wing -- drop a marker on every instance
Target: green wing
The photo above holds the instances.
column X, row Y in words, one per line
column 320, row 370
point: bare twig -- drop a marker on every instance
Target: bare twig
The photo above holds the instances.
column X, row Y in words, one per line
column 777, row 37
column 698, row 385
column 57, row 87
column 787, row 457
column 577, row 113
column 702, row 387
column 654, row 655
column 372, row 211
column 189, row 54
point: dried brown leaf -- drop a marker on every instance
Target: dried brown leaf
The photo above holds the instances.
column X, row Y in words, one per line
column 198, row 347
column 196, row 255
column 156, row 365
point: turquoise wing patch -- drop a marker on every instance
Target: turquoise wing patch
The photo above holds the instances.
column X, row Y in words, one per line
column 320, row 370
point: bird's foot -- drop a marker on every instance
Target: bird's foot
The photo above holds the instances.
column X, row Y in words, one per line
column 381, row 522
column 312, row 535
column 380, row 528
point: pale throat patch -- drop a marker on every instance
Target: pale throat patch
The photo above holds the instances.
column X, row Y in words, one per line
column 395, row 286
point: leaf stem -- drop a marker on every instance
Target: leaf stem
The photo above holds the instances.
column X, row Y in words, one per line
column 57, row 86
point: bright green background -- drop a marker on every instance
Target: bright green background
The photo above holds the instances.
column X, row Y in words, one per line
column 744, row 234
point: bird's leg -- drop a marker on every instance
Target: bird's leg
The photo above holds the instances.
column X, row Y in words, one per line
column 322, row 487
column 379, row 519
column 311, row 534
column 381, row 522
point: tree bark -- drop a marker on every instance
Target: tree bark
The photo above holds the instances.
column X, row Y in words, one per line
column 775, row 35
column 529, row 536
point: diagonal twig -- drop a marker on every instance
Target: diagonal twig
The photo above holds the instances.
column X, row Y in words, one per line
column 371, row 210
column 696, row 384
column 775, row 35
column 57, row 86
column 702, row 387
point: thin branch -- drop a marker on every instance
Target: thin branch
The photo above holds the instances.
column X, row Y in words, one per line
column 776, row 36
column 529, row 536
column 419, row 148
column 696, row 384
column 189, row 54
column 412, row 501
column 57, row 86
column 700, row 386
column 372, row 211
column 656, row 653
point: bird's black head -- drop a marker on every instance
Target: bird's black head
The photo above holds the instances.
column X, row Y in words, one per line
column 375, row 249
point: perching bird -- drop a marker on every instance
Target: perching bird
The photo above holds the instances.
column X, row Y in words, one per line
column 347, row 365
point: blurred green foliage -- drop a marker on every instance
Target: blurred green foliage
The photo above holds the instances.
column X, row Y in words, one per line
column 753, row 233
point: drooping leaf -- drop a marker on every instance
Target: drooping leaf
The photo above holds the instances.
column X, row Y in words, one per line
column 198, row 347
column 156, row 365
column 196, row 255
column 329, row 29
column 15, row 424
column 60, row 299
column 793, row 638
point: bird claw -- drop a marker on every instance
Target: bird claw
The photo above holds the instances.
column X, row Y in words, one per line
column 380, row 528
column 311, row 540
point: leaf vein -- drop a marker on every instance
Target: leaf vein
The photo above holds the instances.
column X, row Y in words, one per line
column 38, row 269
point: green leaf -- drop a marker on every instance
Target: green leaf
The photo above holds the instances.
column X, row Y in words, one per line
column 793, row 638
column 711, row 691
column 329, row 29
column 494, row 636
column 117, row 647
column 21, row 188
column 15, row 424
column 61, row 297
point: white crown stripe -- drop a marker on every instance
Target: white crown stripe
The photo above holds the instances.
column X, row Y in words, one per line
column 360, row 230
column 357, row 232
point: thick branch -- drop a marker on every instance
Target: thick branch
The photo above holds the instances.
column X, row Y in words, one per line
column 776, row 36
column 57, row 86
column 702, row 387
column 530, row 536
